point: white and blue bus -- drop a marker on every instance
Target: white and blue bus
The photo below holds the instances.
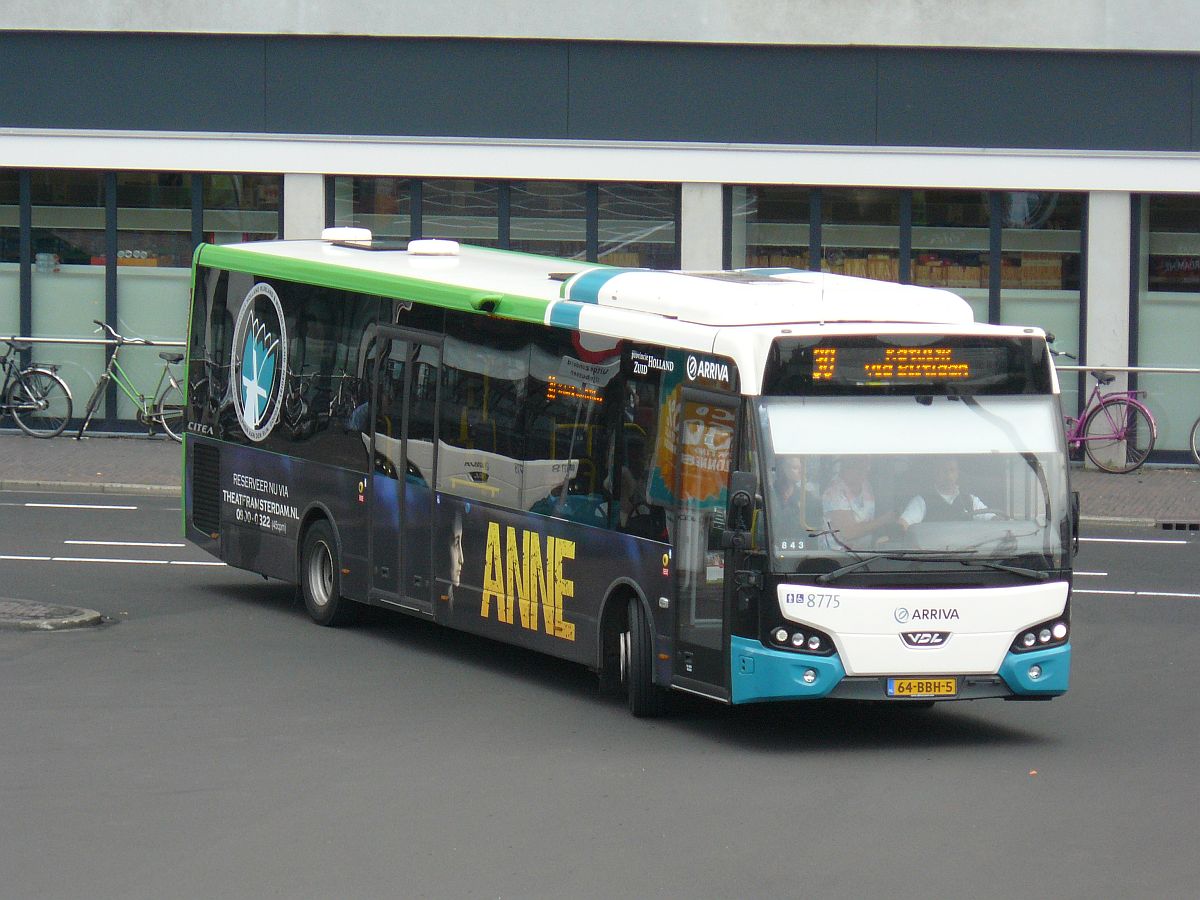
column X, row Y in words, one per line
column 752, row 486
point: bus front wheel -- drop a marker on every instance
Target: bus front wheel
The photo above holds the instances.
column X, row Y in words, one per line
column 646, row 699
column 320, row 576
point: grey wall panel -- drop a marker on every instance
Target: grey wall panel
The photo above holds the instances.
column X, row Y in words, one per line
column 722, row 93
column 960, row 98
column 600, row 91
column 131, row 81
column 416, row 87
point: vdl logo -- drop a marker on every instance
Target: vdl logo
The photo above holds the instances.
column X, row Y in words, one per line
column 259, row 363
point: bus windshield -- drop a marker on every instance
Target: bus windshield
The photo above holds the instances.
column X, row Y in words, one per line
column 976, row 478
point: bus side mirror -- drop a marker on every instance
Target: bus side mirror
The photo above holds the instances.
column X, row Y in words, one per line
column 740, row 511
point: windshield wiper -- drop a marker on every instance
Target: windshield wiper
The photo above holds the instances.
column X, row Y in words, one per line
column 899, row 555
column 1031, row 574
column 932, row 556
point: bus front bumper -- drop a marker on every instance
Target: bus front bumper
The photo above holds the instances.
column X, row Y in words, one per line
column 760, row 674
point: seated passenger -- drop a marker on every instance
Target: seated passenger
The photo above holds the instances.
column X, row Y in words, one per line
column 944, row 501
column 849, row 507
column 797, row 501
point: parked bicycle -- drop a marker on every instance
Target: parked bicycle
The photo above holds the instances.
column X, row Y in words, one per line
column 40, row 401
column 1194, row 441
column 1116, row 430
column 163, row 408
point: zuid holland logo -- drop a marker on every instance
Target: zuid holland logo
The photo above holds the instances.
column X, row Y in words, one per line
column 259, row 362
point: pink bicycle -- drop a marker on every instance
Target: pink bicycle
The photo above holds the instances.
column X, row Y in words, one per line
column 1115, row 429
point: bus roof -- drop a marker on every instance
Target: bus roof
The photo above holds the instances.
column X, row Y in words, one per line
column 557, row 291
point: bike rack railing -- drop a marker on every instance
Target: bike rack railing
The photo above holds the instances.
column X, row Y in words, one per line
column 1148, row 370
column 95, row 341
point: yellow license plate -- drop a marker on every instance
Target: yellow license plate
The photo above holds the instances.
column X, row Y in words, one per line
column 922, row 687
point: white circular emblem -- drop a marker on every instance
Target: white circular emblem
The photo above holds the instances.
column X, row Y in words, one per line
column 259, row 363
column 901, row 614
column 693, row 366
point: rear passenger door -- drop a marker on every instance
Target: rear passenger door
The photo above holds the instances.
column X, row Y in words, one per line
column 404, row 459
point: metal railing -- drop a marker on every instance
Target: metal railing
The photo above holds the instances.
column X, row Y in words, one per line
column 95, row 341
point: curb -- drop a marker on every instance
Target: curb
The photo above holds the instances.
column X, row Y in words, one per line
column 22, row 615
column 88, row 487
column 1132, row 521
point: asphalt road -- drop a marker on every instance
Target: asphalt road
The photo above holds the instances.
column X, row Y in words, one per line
column 211, row 742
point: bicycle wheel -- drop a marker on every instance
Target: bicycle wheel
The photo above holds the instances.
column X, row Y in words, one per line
column 1194, row 441
column 92, row 404
column 168, row 411
column 40, row 403
column 1118, row 435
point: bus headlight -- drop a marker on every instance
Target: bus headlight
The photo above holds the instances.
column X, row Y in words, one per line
column 1048, row 634
column 803, row 640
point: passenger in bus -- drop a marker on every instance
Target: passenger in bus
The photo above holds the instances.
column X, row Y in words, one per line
column 944, row 500
column 848, row 505
column 798, row 501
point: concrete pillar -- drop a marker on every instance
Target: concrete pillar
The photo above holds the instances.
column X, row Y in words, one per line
column 1108, row 280
column 700, row 226
column 1109, row 223
column 303, row 206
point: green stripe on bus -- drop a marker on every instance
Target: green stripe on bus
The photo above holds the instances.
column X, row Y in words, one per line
column 380, row 284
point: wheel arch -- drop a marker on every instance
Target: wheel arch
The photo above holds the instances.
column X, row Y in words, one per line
column 613, row 619
column 314, row 512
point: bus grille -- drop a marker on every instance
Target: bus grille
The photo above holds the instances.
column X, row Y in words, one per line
column 206, row 488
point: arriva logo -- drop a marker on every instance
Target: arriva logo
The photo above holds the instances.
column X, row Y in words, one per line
column 259, row 363
column 916, row 614
column 709, row 369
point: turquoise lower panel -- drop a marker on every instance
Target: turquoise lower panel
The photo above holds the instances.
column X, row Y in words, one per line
column 762, row 674
column 1055, row 677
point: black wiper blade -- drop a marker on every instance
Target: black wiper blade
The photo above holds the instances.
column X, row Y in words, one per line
column 1031, row 574
column 899, row 555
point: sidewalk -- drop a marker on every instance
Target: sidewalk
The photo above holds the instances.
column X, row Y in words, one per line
column 131, row 464
column 1150, row 496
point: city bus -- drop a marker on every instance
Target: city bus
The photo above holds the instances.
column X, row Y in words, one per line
column 752, row 486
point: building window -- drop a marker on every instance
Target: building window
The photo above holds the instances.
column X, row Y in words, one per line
column 770, row 226
column 638, row 225
column 860, row 232
column 68, row 284
column 10, row 252
column 461, row 209
column 950, row 242
column 149, row 223
column 241, row 207
column 549, row 217
column 383, row 205
column 620, row 224
column 1169, row 310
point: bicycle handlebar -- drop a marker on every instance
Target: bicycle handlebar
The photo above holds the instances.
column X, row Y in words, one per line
column 114, row 335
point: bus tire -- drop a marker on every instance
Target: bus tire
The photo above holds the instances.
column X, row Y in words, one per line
column 320, row 576
column 646, row 699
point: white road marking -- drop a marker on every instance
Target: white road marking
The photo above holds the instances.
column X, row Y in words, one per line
column 126, row 544
column 1140, row 594
column 1131, row 541
column 1092, row 574
column 75, row 506
column 92, row 559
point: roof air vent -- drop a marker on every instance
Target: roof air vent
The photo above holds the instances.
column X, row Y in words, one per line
column 346, row 233
column 433, row 247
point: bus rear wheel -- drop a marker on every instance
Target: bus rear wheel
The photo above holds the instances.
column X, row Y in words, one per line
column 320, row 576
column 646, row 699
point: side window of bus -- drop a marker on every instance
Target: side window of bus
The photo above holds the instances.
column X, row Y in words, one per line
column 327, row 388
column 640, row 513
column 574, row 407
column 485, row 370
